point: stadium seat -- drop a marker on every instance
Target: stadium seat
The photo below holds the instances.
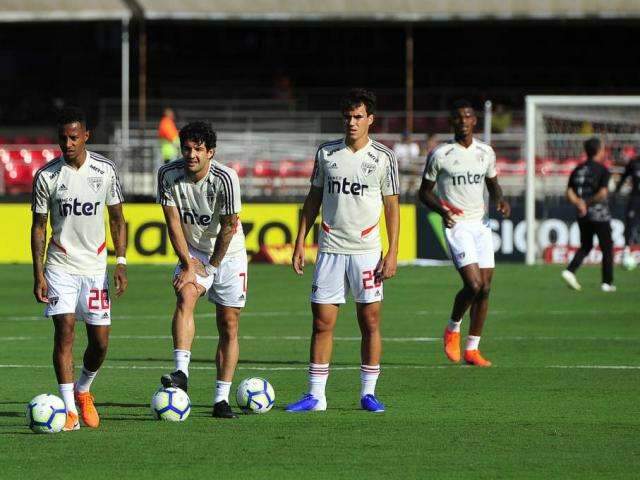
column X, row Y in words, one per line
column 264, row 168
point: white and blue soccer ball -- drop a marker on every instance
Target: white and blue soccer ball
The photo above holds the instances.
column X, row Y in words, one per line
column 171, row 404
column 255, row 395
column 46, row 413
column 629, row 262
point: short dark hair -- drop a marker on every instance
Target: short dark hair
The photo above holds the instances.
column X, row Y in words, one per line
column 592, row 146
column 71, row 114
column 461, row 103
column 359, row 96
column 199, row 132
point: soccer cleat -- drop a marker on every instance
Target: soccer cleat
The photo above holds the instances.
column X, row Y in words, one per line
column 571, row 280
column 371, row 404
column 452, row 345
column 72, row 422
column 308, row 403
column 473, row 357
column 176, row 379
column 88, row 410
column 607, row 287
column 223, row 410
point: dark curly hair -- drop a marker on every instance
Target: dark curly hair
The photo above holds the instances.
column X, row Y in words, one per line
column 461, row 103
column 199, row 132
column 359, row 96
column 71, row 114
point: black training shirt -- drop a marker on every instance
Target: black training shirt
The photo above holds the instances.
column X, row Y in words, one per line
column 586, row 179
column 632, row 170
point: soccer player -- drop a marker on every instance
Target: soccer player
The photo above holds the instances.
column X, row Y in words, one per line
column 588, row 192
column 200, row 199
column 353, row 178
column 461, row 168
column 632, row 214
column 73, row 191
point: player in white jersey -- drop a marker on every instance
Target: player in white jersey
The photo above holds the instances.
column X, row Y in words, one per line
column 353, row 179
column 200, row 199
column 73, row 191
column 461, row 169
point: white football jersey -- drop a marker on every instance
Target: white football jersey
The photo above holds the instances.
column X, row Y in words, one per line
column 75, row 201
column 460, row 173
column 353, row 184
column 200, row 204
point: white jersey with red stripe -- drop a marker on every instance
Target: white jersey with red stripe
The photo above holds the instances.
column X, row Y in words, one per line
column 75, row 201
column 460, row 175
column 353, row 185
column 200, row 204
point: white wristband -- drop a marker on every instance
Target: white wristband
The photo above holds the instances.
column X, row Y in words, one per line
column 121, row 261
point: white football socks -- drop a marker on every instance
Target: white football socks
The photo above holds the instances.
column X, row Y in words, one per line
column 368, row 378
column 86, row 379
column 222, row 391
column 181, row 359
column 66, row 392
column 472, row 343
column 454, row 326
column 318, row 375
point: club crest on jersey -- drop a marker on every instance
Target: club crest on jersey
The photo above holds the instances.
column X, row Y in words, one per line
column 368, row 168
column 53, row 301
column 95, row 183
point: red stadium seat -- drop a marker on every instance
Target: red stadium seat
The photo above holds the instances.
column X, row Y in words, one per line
column 264, row 168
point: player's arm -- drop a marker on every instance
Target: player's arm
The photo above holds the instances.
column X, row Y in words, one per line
column 428, row 197
column 576, row 201
column 118, row 229
column 495, row 194
column 626, row 174
column 38, row 246
column 600, row 196
column 392, row 220
column 310, row 211
column 179, row 243
column 228, row 227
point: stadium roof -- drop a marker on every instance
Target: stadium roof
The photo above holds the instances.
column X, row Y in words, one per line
column 387, row 10
column 62, row 10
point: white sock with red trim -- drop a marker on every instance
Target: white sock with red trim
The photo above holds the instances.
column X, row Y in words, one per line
column 368, row 378
column 318, row 375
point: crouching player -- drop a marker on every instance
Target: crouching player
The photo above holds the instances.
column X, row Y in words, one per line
column 200, row 199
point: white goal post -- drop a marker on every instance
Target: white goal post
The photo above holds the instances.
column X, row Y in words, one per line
column 551, row 127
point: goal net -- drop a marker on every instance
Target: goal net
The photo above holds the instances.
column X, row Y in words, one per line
column 557, row 127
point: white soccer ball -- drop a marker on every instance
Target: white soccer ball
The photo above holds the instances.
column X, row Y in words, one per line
column 629, row 262
column 46, row 413
column 255, row 395
column 171, row 404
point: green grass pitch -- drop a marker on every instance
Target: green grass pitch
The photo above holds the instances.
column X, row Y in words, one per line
column 560, row 402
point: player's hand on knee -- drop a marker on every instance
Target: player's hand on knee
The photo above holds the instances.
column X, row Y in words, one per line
column 120, row 279
column 185, row 276
column 40, row 290
column 198, row 267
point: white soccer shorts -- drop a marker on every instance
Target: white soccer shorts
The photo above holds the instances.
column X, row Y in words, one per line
column 229, row 287
column 470, row 242
column 337, row 273
column 86, row 296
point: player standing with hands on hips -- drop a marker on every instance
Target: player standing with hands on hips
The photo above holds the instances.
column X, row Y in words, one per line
column 461, row 168
column 200, row 200
column 73, row 190
column 353, row 178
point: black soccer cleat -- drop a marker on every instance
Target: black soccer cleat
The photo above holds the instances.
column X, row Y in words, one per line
column 223, row 410
column 176, row 379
